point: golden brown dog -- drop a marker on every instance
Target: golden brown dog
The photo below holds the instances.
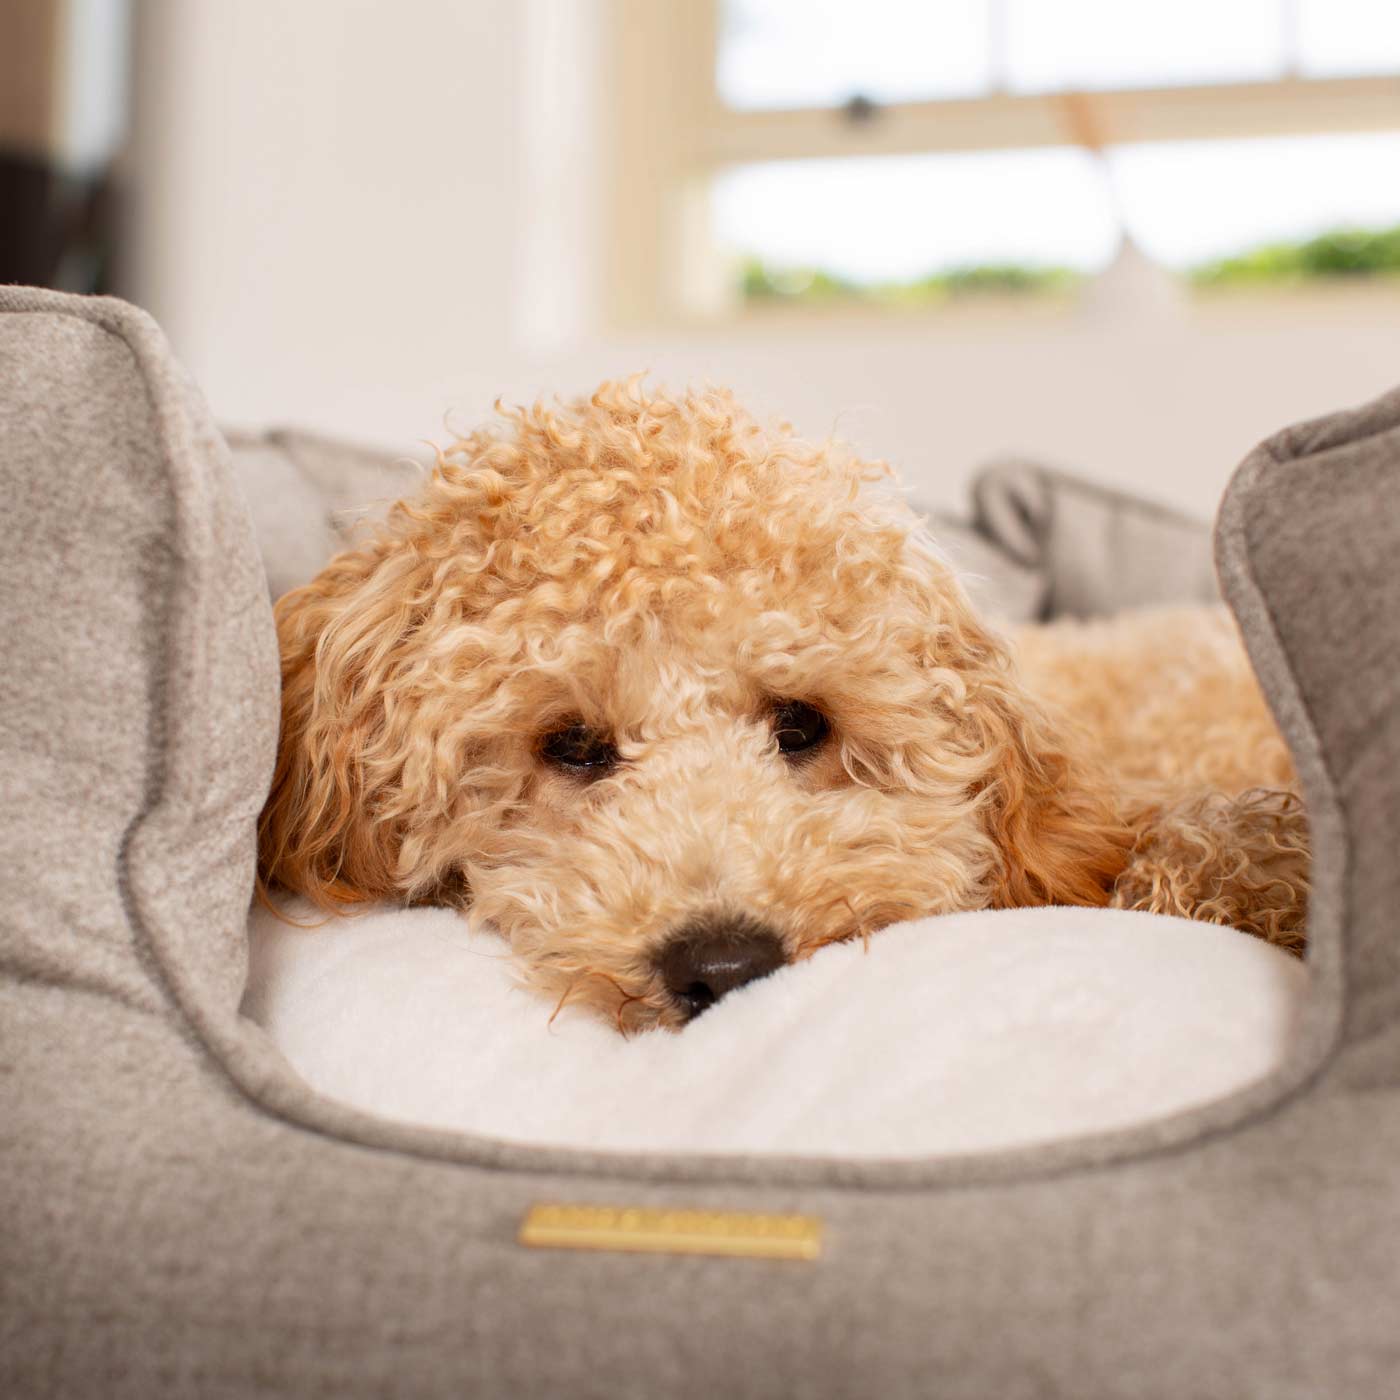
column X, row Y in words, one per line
column 669, row 700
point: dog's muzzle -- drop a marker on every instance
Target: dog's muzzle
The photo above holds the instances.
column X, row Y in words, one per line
column 710, row 955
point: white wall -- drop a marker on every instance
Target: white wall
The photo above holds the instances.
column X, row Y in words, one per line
column 358, row 216
column 326, row 202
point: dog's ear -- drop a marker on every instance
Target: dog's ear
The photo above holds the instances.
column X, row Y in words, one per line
column 318, row 835
column 1051, row 814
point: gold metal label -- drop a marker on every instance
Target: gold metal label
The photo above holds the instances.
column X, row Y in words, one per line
column 739, row 1234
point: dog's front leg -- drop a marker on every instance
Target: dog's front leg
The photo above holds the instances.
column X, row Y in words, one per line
column 1238, row 859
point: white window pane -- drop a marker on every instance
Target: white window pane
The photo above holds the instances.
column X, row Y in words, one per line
column 1054, row 44
column 899, row 218
column 1189, row 202
column 1338, row 37
column 807, row 53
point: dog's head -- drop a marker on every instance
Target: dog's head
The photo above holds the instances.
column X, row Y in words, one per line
column 668, row 701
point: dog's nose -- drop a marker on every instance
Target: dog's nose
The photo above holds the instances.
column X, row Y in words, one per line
column 709, row 956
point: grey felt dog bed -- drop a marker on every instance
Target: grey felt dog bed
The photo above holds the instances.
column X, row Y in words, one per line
column 180, row 1216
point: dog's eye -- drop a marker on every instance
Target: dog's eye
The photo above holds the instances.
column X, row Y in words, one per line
column 798, row 726
column 579, row 749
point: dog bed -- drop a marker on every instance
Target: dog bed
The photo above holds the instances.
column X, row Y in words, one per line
column 183, row 1214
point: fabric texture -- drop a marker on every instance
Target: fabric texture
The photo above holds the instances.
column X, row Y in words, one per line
column 1028, row 1025
column 306, row 493
column 1041, row 544
column 180, row 1215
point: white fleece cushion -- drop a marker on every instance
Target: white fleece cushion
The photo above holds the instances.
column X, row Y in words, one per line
column 958, row 1034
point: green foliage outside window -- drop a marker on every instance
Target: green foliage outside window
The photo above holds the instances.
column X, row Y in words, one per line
column 1341, row 253
column 761, row 282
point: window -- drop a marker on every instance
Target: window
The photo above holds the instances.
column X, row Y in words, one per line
column 901, row 152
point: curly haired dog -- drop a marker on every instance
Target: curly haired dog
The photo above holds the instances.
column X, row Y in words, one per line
column 670, row 700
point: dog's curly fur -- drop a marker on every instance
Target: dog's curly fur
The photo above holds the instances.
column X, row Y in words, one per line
column 664, row 574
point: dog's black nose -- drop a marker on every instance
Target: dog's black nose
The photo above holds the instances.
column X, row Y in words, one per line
column 711, row 955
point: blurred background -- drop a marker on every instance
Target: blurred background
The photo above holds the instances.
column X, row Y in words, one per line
column 1128, row 237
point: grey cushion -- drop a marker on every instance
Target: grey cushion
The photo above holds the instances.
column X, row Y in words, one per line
column 1041, row 544
column 182, row 1217
column 307, row 492
column 999, row 586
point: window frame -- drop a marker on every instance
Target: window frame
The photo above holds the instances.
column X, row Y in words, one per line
column 672, row 135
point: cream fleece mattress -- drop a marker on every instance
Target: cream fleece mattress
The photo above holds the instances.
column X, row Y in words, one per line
column 951, row 1035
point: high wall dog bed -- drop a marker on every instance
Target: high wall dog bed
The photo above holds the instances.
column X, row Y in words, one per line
column 183, row 1215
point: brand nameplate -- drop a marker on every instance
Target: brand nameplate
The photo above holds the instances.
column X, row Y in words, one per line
column 739, row 1234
